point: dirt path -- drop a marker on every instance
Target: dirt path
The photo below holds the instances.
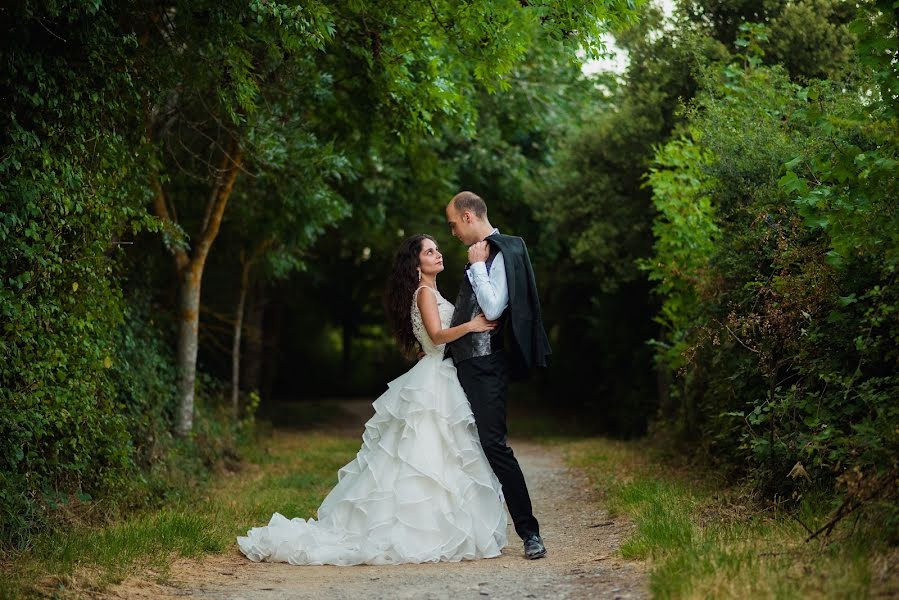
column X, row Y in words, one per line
column 581, row 561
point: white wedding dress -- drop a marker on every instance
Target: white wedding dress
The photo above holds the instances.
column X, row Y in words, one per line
column 419, row 490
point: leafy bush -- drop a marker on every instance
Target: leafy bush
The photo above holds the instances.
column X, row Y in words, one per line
column 68, row 188
column 776, row 249
column 85, row 382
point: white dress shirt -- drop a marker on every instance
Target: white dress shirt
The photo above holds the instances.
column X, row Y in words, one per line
column 491, row 290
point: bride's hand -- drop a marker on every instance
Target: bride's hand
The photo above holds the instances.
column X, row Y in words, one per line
column 480, row 323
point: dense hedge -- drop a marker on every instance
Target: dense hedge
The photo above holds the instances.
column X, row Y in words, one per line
column 85, row 378
column 69, row 184
column 777, row 245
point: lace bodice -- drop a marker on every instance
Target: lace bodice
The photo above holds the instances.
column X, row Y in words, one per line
column 444, row 307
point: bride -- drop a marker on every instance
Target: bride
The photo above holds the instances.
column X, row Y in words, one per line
column 420, row 489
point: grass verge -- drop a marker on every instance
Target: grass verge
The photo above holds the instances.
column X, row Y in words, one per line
column 707, row 539
column 289, row 471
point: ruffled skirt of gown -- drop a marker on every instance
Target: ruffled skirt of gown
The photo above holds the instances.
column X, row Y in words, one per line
column 419, row 490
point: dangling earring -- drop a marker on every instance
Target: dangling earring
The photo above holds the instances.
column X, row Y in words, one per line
column 419, row 275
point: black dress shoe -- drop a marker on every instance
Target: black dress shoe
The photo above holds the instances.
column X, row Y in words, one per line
column 534, row 548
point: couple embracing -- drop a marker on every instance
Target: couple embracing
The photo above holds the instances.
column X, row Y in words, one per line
column 434, row 469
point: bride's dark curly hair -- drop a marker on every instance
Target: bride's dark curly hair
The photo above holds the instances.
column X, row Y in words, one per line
column 401, row 285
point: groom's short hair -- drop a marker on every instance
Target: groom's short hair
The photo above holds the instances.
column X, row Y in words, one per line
column 471, row 202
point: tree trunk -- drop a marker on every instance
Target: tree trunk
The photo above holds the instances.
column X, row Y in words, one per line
column 188, row 328
column 190, row 270
column 235, row 347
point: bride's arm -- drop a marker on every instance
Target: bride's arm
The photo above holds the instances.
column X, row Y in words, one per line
column 430, row 317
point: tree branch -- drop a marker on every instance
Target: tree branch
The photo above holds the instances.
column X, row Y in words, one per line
column 231, row 166
column 160, row 207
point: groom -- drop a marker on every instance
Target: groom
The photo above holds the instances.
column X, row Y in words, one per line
column 499, row 282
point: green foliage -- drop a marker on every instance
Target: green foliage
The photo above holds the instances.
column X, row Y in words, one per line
column 686, row 236
column 400, row 188
column 875, row 26
column 143, row 376
column 723, row 18
column 780, row 299
column 595, row 217
column 743, row 270
column 69, row 187
column 812, row 39
column 85, row 377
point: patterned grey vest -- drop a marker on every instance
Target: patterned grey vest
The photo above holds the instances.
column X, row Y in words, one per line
column 481, row 343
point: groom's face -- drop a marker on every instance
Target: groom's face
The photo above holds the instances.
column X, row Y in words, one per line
column 461, row 224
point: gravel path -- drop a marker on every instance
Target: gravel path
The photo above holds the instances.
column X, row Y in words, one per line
column 581, row 561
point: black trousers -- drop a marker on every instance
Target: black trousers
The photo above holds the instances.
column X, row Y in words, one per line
column 485, row 381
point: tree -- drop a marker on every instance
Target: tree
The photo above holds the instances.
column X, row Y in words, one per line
column 280, row 213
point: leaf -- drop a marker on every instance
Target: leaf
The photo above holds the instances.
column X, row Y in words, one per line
column 847, row 300
column 816, row 221
column 794, row 162
column 792, row 183
column 834, row 259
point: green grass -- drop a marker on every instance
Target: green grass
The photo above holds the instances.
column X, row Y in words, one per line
column 665, row 523
column 704, row 539
column 288, row 471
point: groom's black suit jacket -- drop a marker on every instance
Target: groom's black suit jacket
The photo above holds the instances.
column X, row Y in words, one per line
column 530, row 346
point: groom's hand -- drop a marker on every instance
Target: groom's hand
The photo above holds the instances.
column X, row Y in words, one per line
column 478, row 252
